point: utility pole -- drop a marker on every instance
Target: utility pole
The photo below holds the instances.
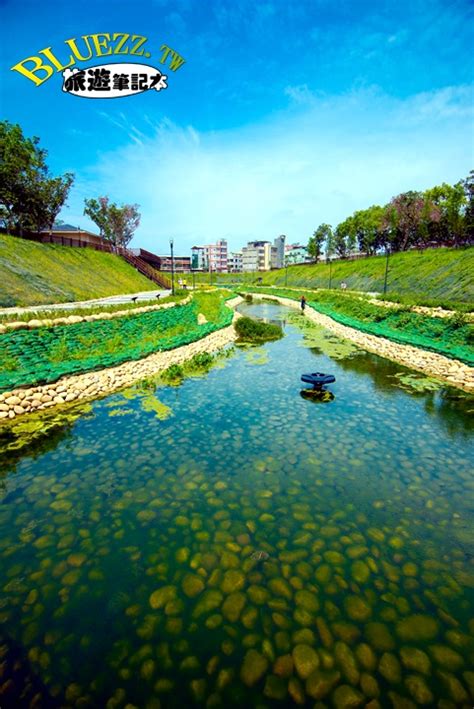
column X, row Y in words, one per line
column 172, row 267
column 387, row 251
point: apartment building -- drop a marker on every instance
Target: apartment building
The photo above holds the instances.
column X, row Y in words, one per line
column 257, row 256
column 296, row 253
column 234, row 262
column 211, row 257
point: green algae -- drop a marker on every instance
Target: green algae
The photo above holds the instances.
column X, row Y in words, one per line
column 322, row 340
column 256, row 356
column 318, row 542
column 415, row 382
column 152, row 403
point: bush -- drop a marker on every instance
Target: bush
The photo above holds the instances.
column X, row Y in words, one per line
column 250, row 330
column 204, row 360
column 457, row 320
column 174, row 373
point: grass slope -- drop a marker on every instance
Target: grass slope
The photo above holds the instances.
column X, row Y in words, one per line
column 35, row 274
column 443, row 274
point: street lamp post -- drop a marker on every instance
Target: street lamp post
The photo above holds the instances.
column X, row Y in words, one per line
column 172, row 266
column 330, row 272
column 194, row 279
column 387, row 251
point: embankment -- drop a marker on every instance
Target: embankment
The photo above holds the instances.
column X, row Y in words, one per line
column 430, row 277
column 35, row 274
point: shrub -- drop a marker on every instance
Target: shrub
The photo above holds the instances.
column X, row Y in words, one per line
column 174, row 373
column 458, row 320
column 250, row 330
column 204, row 360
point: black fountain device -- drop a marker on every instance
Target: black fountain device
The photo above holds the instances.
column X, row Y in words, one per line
column 318, row 380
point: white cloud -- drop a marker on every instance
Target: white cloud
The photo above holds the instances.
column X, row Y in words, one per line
column 316, row 162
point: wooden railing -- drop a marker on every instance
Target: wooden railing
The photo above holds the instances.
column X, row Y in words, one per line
column 144, row 268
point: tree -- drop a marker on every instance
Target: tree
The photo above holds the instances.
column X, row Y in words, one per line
column 124, row 221
column 98, row 210
column 468, row 228
column 30, row 198
column 51, row 195
column 408, row 218
column 116, row 224
column 449, row 201
column 344, row 239
column 329, row 246
column 322, row 234
column 368, row 228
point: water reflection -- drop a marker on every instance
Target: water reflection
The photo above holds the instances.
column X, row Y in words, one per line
column 452, row 407
column 317, row 396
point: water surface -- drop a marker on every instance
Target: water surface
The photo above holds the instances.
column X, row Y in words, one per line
column 228, row 542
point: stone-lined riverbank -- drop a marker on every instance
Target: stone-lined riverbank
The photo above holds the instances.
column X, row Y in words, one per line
column 74, row 319
column 456, row 373
column 94, row 384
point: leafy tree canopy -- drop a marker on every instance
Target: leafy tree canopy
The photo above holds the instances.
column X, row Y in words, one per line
column 116, row 224
column 441, row 215
column 30, row 197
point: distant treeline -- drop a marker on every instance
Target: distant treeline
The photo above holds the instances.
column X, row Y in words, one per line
column 440, row 216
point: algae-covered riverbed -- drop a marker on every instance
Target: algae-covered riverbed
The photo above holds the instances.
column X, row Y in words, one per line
column 229, row 543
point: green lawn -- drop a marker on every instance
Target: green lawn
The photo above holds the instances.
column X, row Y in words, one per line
column 433, row 276
column 35, row 274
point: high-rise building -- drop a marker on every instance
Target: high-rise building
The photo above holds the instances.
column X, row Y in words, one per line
column 257, row 256
column 279, row 245
column 211, row 257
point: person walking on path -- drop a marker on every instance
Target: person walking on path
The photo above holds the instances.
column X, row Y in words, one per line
column 303, row 303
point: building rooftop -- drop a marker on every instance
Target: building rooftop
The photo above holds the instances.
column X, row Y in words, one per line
column 67, row 227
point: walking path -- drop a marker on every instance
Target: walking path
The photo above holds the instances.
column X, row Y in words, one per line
column 110, row 300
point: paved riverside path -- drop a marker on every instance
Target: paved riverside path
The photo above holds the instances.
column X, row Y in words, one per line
column 110, row 300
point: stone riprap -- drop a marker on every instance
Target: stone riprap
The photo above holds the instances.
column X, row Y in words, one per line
column 453, row 371
column 95, row 384
column 74, row 319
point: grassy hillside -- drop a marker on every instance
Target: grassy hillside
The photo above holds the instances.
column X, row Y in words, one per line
column 34, row 274
column 446, row 274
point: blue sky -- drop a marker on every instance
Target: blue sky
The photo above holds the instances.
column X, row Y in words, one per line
column 286, row 113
